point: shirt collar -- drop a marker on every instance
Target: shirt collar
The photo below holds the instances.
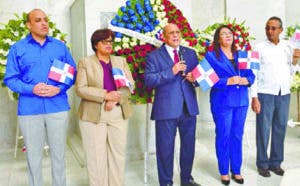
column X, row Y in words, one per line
column 29, row 38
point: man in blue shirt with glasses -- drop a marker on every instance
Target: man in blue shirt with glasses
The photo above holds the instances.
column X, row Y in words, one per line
column 43, row 103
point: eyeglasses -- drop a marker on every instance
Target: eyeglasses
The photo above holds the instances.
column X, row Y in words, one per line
column 224, row 34
column 273, row 28
column 106, row 42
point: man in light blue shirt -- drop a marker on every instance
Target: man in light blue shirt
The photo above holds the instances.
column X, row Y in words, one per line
column 43, row 103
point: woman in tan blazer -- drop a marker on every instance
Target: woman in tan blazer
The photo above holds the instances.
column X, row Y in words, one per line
column 103, row 111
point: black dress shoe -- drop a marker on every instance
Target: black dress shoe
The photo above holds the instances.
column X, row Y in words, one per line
column 225, row 182
column 239, row 181
column 277, row 170
column 190, row 183
column 264, row 172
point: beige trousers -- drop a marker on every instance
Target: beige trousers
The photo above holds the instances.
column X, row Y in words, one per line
column 105, row 148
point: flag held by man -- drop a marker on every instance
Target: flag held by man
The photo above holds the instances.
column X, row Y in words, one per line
column 61, row 72
column 248, row 60
column 205, row 75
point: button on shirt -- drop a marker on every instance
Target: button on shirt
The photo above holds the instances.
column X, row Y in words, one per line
column 28, row 63
column 275, row 71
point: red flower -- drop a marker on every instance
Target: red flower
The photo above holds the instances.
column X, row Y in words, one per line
column 149, row 100
column 127, row 51
column 129, row 58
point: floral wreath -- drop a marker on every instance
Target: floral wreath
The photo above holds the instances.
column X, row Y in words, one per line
column 138, row 26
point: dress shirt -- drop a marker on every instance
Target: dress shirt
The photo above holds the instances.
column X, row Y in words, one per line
column 276, row 67
column 171, row 51
column 28, row 64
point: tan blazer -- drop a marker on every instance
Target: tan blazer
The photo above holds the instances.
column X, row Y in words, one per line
column 89, row 86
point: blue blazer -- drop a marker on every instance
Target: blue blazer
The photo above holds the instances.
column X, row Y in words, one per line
column 171, row 92
column 228, row 95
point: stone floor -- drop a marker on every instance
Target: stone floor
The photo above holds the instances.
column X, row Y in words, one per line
column 13, row 170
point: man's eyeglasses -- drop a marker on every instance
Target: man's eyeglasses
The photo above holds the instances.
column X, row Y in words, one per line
column 107, row 42
column 273, row 28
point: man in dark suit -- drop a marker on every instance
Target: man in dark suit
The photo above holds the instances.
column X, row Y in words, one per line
column 175, row 104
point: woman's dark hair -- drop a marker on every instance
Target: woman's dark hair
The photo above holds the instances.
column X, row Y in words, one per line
column 100, row 35
column 216, row 42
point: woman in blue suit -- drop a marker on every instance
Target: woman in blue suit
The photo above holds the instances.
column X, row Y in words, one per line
column 229, row 104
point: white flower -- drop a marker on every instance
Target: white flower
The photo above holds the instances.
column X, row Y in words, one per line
column 125, row 45
column 152, row 2
column 155, row 8
column 133, row 43
column 142, row 43
column 158, row 1
column 162, row 7
column 118, row 39
column 117, row 48
column 125, row 39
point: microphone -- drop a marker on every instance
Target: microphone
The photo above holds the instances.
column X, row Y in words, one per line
column 181, row 61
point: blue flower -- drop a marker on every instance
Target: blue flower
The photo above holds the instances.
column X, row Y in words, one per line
column 146, row 28
column 140, row 11
column 118, row 35
column 114, row 22
column 138, row 6
column 144, row 19
column 129, row 26
column 128, row 3
column 156, row 22
column 125, row 18
column 139, row 26
column 120, row 24
column 133, row 19
column 148, row 8
column 151, row 15
column 131, row 12
column 123, row 9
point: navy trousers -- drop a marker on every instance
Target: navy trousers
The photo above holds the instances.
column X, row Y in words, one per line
column 229, row 131
column 273, row 117
column 165, row 142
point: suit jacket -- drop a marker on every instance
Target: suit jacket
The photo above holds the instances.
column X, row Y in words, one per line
column 222, row 94
column 89, row 86
column 171, row 91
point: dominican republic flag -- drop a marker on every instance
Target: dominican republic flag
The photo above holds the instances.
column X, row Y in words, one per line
column 61, row 72
column 205, row 75
column 297, row 35
column 248, row 59
column 120, row 79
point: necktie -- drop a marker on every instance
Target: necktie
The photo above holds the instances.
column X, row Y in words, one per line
column 176, row 56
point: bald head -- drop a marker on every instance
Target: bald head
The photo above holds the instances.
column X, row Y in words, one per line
column 32, row 12
column 172, row 35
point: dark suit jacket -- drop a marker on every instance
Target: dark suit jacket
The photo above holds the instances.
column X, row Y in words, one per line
column 171, row 91
column 228, row 95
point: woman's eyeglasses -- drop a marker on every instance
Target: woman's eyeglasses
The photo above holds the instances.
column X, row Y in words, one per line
column 106, row 42
column 224, row 34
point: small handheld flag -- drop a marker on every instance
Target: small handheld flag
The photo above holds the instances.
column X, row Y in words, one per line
column 248, row 59
column 61, row 72
column 296, row 38
column 120, row 79
column 205, row 75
